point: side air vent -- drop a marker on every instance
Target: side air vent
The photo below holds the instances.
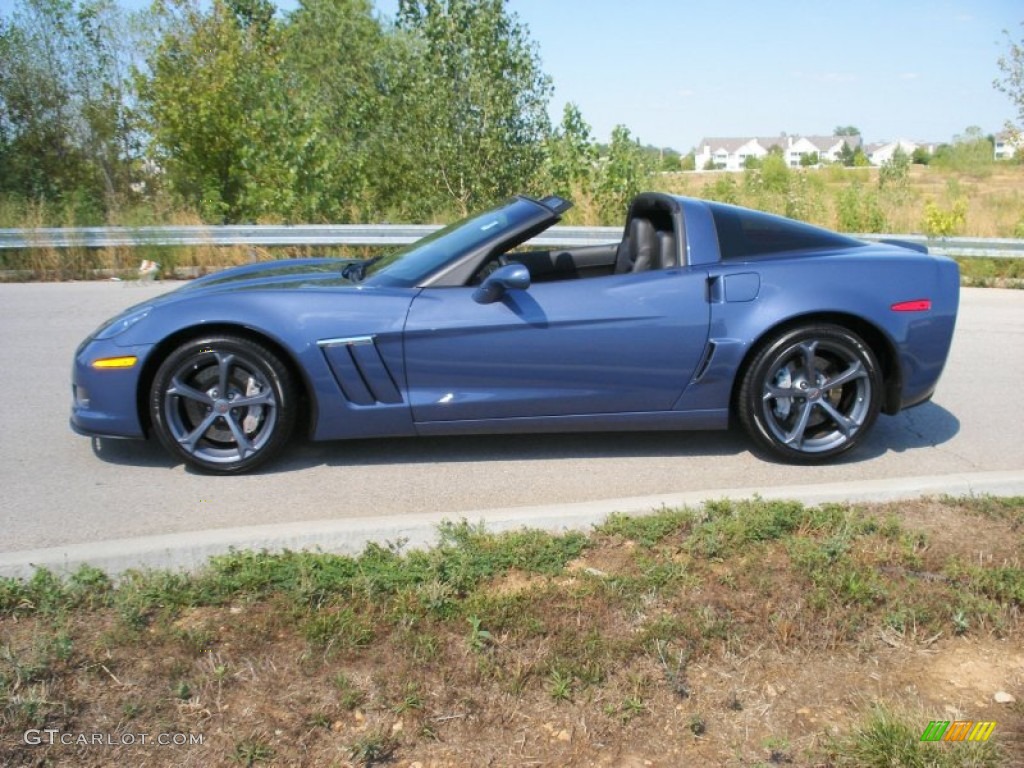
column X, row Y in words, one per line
column 360, row 371
column 705, row 363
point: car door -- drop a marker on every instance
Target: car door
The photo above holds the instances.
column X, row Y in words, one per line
column 614, row 344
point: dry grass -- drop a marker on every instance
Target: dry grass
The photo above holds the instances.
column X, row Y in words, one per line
column 995, row 208
column 995, row 200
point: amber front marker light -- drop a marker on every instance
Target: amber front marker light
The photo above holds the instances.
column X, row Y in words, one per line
column 115, row 362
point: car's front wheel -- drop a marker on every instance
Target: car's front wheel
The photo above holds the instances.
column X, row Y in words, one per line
column 810, row 393
column 223, row 404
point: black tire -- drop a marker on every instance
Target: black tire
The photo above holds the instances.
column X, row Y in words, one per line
column 810, row 393
column 223, row 404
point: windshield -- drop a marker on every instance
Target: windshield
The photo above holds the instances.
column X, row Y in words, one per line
column 410, row 265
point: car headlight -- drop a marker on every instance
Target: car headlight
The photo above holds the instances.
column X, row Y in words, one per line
column 122, row 323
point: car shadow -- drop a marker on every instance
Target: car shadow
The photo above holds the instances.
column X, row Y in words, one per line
column 132, row 453
column 537, row 447
column 925, row 426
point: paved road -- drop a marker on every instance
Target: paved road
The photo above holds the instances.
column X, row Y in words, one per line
column 62, row 490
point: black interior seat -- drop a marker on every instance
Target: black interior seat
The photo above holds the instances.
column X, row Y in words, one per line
column 638, row 251
column 668, row 254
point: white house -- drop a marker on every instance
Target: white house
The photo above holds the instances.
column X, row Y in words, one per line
column 828, row 148
column 1008, row 144
column 728, row 153
column 731, row 153
column 881, row 153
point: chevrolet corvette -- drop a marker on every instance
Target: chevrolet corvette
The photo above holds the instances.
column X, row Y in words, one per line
column 702, row 316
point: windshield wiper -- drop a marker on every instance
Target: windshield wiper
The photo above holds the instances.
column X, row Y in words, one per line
column 356, row 271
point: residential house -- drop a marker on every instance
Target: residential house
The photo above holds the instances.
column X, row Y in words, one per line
column 881, row 153
column 828, row 148
column 731, row 154
column 1008, row 144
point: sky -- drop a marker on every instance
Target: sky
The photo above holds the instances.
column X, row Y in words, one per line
column 676, row 71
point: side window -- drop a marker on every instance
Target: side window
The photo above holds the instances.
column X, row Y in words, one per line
column 743, row 234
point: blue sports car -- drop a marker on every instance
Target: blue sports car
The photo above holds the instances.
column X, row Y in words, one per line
column 702, row 315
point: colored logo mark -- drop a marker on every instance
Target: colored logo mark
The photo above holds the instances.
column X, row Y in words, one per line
column 958, row 730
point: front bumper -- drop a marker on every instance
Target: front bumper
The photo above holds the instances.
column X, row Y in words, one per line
column 105, row 401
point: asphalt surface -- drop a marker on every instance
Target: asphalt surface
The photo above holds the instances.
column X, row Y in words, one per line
column 66, row 499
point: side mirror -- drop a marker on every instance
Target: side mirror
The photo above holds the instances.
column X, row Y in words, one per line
column 507, row 278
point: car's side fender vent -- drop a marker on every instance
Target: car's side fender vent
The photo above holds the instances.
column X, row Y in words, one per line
column 360, row 371
column 705, row 362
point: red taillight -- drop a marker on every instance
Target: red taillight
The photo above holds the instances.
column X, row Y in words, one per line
column 917, row 305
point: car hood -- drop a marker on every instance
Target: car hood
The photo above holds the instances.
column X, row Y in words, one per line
column 291, row 273
column 275, row 275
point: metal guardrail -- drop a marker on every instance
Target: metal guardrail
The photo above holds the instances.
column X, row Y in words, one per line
column 390, row 235
column 268, row 235
column 990, row 247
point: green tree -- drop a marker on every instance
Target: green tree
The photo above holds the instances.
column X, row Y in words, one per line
column 852, row 156
column 626, row 172
column 667, row 159
column 571, row 154
column 774, row 173
column 846, row 130
column 352, row 84
column 220, row 124
column 894, row 173
column 971, row 153
column 1012, row 81
column 481, row 97
column 65, row 126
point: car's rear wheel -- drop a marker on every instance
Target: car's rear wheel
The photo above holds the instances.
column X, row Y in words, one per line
column 223, row 404
column 810, row 393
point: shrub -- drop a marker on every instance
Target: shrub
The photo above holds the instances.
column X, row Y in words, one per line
column 859, row 210
column 939, row 222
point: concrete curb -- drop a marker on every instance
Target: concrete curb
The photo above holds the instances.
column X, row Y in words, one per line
column 191, row 550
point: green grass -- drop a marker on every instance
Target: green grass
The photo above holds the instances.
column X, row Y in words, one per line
column 989, row 272
column 888, row 740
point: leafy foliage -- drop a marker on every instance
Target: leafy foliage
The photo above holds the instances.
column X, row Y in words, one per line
column 571, row 154
column 479, row 88
column 940, row 222
column 970, row 153
column 65, row 131
column 859, row 210
column 625, row 173
column 215, row 109
column 1012, row 81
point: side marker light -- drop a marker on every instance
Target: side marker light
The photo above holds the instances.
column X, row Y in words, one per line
column 115, row 362
column 918, row 305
